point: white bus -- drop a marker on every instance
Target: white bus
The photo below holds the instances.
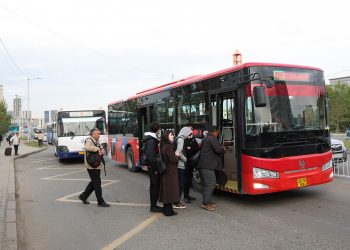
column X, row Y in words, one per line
column 72, row 129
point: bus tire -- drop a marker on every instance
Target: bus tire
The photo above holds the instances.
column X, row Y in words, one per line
column 130, row 159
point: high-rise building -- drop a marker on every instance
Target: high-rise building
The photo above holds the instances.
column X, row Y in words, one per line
column 25, row 115
column 53, row 115
column 47, row 116
column 2, row 98
column 17, row 107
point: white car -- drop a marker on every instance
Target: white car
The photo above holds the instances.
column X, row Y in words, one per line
column 339, row 150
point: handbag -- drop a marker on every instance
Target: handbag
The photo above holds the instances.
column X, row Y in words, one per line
column 161, row 166
column 94, row 159
column 221, row 178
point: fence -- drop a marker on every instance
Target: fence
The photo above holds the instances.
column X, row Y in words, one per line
column 341, row 168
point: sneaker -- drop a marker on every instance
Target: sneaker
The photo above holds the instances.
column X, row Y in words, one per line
column 213, row 204
column 187, row 200
column 191, row 198
column 83, row 200
column 156, row 209
column 103, row 204
column 179, row 205
column 207, row 207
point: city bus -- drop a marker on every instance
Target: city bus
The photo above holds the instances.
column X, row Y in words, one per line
column 271, row 117
column 73, row 127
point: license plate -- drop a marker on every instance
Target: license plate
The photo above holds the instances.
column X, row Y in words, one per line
column 302, row 182
column 337, row 156
column 82, row 152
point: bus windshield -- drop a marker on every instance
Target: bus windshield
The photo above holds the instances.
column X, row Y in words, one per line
column 79, row 126
column 295, row 102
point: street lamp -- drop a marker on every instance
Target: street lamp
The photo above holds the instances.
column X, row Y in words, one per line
column 29, row 79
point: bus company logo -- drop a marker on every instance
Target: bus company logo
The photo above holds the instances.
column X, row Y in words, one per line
column 301, row 163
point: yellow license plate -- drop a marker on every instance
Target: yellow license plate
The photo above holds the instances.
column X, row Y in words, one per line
column 81, row 152
column 302, row 182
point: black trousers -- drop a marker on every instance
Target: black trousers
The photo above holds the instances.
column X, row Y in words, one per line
column 154, row 186
column 16, row 149
column 94, row 185
column 188, row 180
column 40, row 142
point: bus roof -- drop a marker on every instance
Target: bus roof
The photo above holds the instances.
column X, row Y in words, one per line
column 197, row 78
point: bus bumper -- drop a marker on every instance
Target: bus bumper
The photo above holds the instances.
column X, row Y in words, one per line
column 71, row 155
column 293, row 173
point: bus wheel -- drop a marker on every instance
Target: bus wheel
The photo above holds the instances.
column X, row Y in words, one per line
column 130, row 160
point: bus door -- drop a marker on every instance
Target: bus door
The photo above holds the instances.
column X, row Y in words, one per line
column 223, row 117
column 146, row 117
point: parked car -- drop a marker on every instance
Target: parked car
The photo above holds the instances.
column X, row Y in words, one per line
column 339, row 150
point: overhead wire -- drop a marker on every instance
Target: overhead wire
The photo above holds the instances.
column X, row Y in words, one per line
column 80, row 45
column 10, row 57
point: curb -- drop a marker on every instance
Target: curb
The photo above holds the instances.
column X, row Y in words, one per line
column 11, row 216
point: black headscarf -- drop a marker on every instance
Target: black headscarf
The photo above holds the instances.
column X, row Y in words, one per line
column 165, row 138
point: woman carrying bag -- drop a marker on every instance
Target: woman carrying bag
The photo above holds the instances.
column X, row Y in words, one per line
column 169, row 184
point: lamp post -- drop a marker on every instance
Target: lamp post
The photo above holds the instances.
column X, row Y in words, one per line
column 29, row 79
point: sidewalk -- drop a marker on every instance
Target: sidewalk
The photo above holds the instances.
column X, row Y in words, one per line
column 8, row 229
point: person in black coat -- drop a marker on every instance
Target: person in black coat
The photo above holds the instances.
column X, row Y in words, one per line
column 151, row 141
column 209, row 161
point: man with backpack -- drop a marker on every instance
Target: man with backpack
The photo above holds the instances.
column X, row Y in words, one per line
column 151, row 151
column 92, row 145
column 191, row 148
column 179, row 144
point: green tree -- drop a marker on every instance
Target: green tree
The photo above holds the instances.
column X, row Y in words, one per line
column 339, row 106
column 5, row 119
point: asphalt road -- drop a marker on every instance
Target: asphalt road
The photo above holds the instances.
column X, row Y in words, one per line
column 51, row 217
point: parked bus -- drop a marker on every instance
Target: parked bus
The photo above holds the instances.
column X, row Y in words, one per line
column 272, row 118
column 37, row 130
column 73, row 127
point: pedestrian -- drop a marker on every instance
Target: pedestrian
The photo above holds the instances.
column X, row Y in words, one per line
column 15, row 140
column 40, row 138
column 191, row 148
column 0, row 140
column 151, row 142
column 92, row 144
column 9, row 136
column 184, row 133
column 169, row 188
column 209, row 161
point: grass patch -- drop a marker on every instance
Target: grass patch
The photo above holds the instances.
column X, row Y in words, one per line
column 33, row 144
column 347, row 144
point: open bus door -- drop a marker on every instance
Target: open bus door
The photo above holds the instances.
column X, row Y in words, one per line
column 223, row 116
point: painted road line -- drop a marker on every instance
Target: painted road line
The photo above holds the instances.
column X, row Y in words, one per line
column 121, row 240
column 48, row 167
column 52, row 167
column 66, row 198
column 59, row 175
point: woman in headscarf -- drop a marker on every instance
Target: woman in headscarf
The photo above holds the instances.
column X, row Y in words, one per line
column 169, row 187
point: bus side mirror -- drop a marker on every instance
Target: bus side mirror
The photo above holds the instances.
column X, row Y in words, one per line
column 259, row 96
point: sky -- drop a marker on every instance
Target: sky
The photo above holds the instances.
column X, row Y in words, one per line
column 91, row 53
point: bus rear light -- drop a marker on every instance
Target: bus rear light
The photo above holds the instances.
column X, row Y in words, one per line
column 259, row 173
column 260, row 186
column 328, row 165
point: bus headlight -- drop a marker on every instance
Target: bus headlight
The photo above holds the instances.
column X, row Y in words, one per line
column 259, row 173
column 63, row 149
column 328, row 165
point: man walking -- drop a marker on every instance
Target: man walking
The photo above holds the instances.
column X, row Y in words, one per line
column 40, row 139
column 209, row 161
column 15, row 140
column 93, row 145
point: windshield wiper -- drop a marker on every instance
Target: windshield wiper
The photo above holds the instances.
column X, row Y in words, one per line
column 75, row 132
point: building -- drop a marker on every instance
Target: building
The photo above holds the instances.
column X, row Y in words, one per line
column 25, row 116
column 345, row 79
column 47, row 116
column 2, row 98
column 17, row 108
column 53, row 115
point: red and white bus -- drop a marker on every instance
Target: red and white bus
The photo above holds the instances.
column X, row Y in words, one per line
column 272, row 117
